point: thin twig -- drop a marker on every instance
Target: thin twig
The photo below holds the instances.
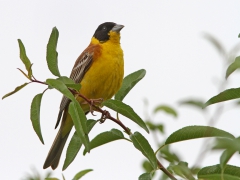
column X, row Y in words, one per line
column 107, row 115
column 163, row 169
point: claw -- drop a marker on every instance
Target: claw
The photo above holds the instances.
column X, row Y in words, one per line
column 93, row 102
column 104, row 116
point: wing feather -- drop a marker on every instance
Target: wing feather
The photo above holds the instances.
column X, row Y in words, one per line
column 81, row 65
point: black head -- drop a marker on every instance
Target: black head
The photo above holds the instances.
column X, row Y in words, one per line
column 102, row 32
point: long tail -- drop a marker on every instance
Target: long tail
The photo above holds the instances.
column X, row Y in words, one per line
column 55, row 152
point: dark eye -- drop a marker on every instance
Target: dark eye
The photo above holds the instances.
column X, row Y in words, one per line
column 104, row 28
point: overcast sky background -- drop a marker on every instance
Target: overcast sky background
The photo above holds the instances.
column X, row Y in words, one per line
column 163, row 37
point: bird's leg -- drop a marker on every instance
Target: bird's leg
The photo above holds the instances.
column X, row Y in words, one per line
column 105, row 115
column 93, row 102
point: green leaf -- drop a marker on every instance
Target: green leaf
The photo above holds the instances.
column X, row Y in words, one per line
column 182, row 170
column 194, row 132
column 52, row 54
column 72, row 150
column 215, row 43
column 105, row 137
column 24, row 58
column 154, row 127
column 226, row 95
column 166, row 109
column 128, row 83
column 194, row 103
column 35, row 115
column 81, row 174
column 225, row 157
column 168, row 155
column 60, row 86
column 145, row 176
column 51, row 179
column 147, row 166
column 15, row 90
column 75, row 145
column 233, row 67
column 75, row 110
column 230, row 144
column 66, row 80
column 69, row 83
column 24, row 73
column 76, row 87
column 126, row 111
column 142, row 145
column 79, row 120
column 215, row 173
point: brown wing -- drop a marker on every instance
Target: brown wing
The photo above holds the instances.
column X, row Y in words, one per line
column 80, row 67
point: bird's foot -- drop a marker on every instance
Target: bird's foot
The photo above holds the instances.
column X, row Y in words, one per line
column 94, row 102
column 104, row 116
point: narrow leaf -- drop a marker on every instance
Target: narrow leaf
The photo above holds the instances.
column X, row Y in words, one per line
column 76, row 87
column 15, row 90
column 79, row 120
column 66, row 80
column 147, row 166
column 154, row 126
column 166, row 109
column 226, row 95
column 75, row 145
column 169, row 155
column 143, row 145
column 126, row 111
column 30, row 72
column 69, row 83
column 128, row 83
column 225, row 157
column 182, row 170
column 214, row 173
column 145, row 176
column 24, row 58
column 52, row 54
column 60, row 86
column 215, row 43
column 35, row 115
column 231, row 144
column 194, row 132
column 23, row 73
column 81, row 174
column 105, row 137
column 233, row 67
column 72, row 150
column 194, row 103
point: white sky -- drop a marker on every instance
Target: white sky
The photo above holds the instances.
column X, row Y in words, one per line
column 163, row 37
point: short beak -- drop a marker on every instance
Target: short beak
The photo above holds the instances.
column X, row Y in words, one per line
column 117, row 28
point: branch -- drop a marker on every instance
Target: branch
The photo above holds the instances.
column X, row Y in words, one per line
column 105, row 114
column 163, row 169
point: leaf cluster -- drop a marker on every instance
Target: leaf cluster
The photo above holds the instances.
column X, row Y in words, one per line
column 83, row 126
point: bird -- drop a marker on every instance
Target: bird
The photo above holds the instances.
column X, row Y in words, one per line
column 100, row 70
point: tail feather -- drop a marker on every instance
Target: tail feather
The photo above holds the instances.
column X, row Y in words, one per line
column 55, row 152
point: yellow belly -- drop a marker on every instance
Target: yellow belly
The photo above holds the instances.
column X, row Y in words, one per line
column 104, row 77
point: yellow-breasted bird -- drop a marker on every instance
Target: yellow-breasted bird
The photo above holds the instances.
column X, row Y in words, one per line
column 99, row 69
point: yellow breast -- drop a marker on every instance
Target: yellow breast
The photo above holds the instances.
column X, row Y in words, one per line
column 104, row 78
